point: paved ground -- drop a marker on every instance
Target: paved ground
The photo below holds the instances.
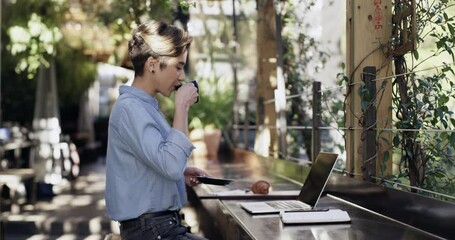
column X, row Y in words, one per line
column 76, row 212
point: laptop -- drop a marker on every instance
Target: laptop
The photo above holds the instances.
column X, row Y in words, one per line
column 309, row 194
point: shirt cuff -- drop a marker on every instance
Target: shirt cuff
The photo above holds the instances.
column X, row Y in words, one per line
column 180, row 139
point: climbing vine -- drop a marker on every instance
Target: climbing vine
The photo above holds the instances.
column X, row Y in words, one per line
column 421, row 49
column 423, row 101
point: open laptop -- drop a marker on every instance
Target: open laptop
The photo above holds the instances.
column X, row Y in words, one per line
column 309, row 194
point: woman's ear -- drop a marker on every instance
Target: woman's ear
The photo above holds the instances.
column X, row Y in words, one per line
column 151, row 64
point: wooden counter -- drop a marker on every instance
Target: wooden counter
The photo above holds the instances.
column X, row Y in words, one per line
column 225, row 219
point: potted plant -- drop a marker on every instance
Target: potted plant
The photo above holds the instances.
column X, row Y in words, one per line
column 210, row 118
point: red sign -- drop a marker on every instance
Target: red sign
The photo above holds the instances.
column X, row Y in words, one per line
column 378, row 15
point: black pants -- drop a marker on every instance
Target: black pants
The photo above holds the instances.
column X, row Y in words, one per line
column 163, row 225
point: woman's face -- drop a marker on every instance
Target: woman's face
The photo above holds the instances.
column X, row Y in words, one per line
column 171, row 75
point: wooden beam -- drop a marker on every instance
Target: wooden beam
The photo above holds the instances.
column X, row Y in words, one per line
column 236, row 106
column 266, row 78
column 316, row 133
column 369, row 28
column 280, row 91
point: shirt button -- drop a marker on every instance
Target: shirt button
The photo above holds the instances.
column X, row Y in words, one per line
column 159, row 237
column 170, row 222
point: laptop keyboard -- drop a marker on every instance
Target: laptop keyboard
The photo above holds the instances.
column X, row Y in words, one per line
column 288, row 205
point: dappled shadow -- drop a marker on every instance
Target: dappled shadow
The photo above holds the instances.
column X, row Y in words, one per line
column 78, row 208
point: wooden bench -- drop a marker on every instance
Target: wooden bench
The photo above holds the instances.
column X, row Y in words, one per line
column 14, row 179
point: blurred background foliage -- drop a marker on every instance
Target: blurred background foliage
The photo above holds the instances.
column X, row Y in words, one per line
column 77, row 34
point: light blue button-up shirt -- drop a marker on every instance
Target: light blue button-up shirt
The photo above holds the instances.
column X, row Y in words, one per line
column 146, row 158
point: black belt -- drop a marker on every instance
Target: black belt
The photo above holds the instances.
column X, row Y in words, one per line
column 133, row 222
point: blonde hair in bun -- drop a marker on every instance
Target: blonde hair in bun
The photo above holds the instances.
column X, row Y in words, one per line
column 156, row 39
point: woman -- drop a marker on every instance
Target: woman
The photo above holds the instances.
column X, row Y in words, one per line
column 146, row 157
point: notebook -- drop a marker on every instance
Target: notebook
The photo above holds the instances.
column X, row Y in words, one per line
column 309, row 193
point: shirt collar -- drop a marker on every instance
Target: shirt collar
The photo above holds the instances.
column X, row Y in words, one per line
column 139, row 94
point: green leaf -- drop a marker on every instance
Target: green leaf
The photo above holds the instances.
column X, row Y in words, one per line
column 452, row 137
column 451, row 29
column 439, row 44
column 416, row 54
column 443, row 100
column 364, row 105
column 444, row 135
column 386, row 156
column 396, row 141
column 439, row 174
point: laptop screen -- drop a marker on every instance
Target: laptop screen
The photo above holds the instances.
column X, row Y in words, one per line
column 317, row 178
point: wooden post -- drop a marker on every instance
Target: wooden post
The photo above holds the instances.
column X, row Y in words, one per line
column 316, row 134
column 369, row 133
column 369, row 28
column 280, row 92
column 266, row 75
column 234, row 73
column 246, row 128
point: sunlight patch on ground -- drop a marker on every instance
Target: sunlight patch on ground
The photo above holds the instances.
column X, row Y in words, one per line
column 191, row 219
column 83, row 200
column 29, row 218
column 94, row 225
column 115, row 227
column 38, row 237
column 95, row 188
column 48, row 223
column 101, row 204
column 94, row 237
